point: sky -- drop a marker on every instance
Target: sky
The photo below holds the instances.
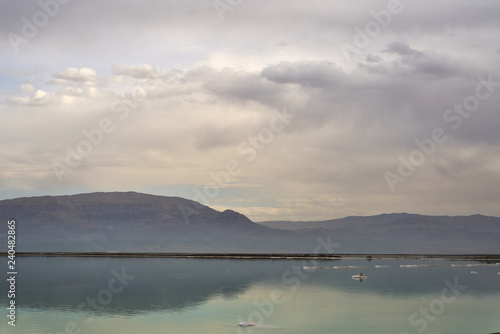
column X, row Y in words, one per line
column 280, row 110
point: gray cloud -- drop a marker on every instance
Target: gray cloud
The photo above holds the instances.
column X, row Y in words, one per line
column 403, row 49
column 419, row 62
column 307, row 73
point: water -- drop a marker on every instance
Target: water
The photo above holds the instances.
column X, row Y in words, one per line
column 140, row 295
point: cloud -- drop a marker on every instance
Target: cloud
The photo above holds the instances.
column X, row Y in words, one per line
column 413, row 62
column 235, row 85
column 39, row 94
column 27, row 88
column 84, row 76
column 145, row 71
column 19, row 72
column 373, row 59
column 306, row 73
column 402, row 49
column 21, row 100
column 38, row 97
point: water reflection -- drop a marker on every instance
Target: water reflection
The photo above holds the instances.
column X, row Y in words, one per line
column 175, row 284
column 213, row 295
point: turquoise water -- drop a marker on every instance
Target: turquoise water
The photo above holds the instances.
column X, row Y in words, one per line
column 138, row 295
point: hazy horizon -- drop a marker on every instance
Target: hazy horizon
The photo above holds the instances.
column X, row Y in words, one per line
column 277, row 218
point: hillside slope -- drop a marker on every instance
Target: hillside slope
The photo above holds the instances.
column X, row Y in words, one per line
column 127, row 222
column 135, row 222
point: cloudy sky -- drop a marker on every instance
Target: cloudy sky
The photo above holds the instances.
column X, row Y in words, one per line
column 283, row 109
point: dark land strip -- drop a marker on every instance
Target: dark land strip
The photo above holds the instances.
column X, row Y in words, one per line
column 292, row 256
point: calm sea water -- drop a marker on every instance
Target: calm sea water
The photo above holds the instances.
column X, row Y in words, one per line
column 137, row 295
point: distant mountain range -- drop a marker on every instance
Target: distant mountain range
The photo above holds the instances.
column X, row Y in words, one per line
column 135, row 222
column 407, row 233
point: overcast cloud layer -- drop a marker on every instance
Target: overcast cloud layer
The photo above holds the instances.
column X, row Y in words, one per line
column 285, row 109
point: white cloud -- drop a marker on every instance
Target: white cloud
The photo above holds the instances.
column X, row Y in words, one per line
column 39, row 97
column 21, row 100
column 39, row 94
column 84, row 75
column 27, row 88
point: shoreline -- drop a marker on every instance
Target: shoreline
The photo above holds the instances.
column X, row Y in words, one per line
column 270, row 256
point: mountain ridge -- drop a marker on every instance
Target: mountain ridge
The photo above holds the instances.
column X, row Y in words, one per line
column 137, row 222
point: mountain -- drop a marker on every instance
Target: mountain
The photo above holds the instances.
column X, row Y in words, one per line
column 132, row 222
column 135, row 222
column 408, row 233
